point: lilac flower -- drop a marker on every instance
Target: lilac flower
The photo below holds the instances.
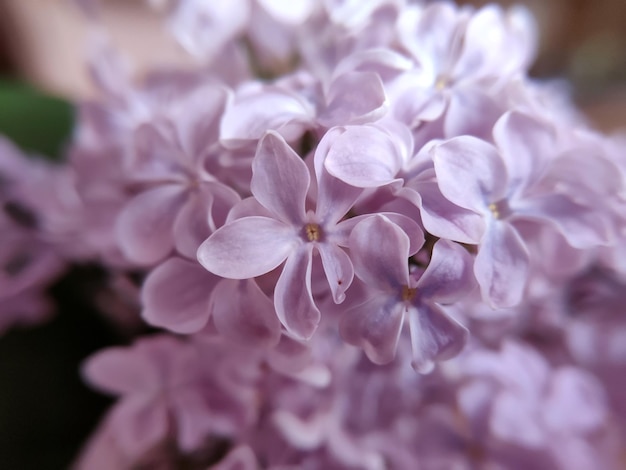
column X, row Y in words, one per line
column 255, row 245
column 502, row 185
column 397, row 295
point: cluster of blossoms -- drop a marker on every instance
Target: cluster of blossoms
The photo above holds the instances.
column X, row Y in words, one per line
column 317, row 216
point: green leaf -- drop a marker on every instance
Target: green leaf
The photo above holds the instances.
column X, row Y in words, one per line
column 36, row 122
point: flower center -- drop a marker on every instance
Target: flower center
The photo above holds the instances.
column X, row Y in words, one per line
column 441, row 82
column 494, row 210
column 313, row 232
column 408, row 293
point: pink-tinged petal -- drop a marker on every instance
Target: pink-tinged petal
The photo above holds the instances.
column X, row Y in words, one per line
column 515, row 420
column 205, row 211
column 240, row 458
column 244, row 314
column 354, row 98
column 501, row 265
column 293, row 298
column 144, row 228
column 269, row 108
column 385, row 62
column 443, row 218
column 176, row 294
column 247, row 247
column 581, row 226
column 375, row 326
column 526, row 145
column 249, row 207
column 574, row 389
column 341, row 236
column 154, row 154
column 338, row 269
column 286, row 11
column 191, row 226
column 471, row 112
column 280, row 179
column 334, row 197
column 139, row 424
column 197, row 116
column 120, row 371
column 434, row 336
column 470, row 172
column 449, row 275
column 364, row 156
column 380, row 250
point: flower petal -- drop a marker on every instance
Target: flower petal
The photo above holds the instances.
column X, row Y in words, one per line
column 374, row 326
column 364, row 156
column 247, row 247
column 434, row 336
column 354, row 98
column 449, row 274
column 280, row 179
column 144, row 228
column 338, row 269
column 501, row 265
column 380, row 250
column 470, row 172
column 293, row 298
column 176, row 294
column 244, row 314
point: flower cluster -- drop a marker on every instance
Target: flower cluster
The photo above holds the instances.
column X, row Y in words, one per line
column 317, row 216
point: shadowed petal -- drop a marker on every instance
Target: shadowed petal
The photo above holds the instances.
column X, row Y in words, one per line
column 293, row 298
column 581, row 227
column 243, row 313
column 449, row 275
column 247, row 247
column 434, row 336
column 375, row 326
column 501, row 265
column 280, row 179
column 379, row 250
column 525, row 145
column 144, row 228
column 176, row 295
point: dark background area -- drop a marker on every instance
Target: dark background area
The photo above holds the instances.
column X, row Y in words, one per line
column 46, row 412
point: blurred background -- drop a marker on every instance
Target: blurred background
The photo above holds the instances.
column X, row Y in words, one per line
column 45, row 410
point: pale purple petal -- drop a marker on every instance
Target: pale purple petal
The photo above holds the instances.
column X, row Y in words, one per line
column 338, row 269
column 449, row 275
column 175, row 295
column 354, row 98
column 573, row 389
column 375, row 326
column 247, row 247
column 443, row 218
column 139, row 424
column 380, row 250
column 514, row 419
column 144, row 228
column 434, row 336
column 270, row 108
column 293, row 298
column 244, row 314
column 526, row 145
column 334, row 197
column 470, row 172
column 280, row 179
column 581, row 226
column 501, row 265
column 471, row 112
column 120, row 371
column 364, row 156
